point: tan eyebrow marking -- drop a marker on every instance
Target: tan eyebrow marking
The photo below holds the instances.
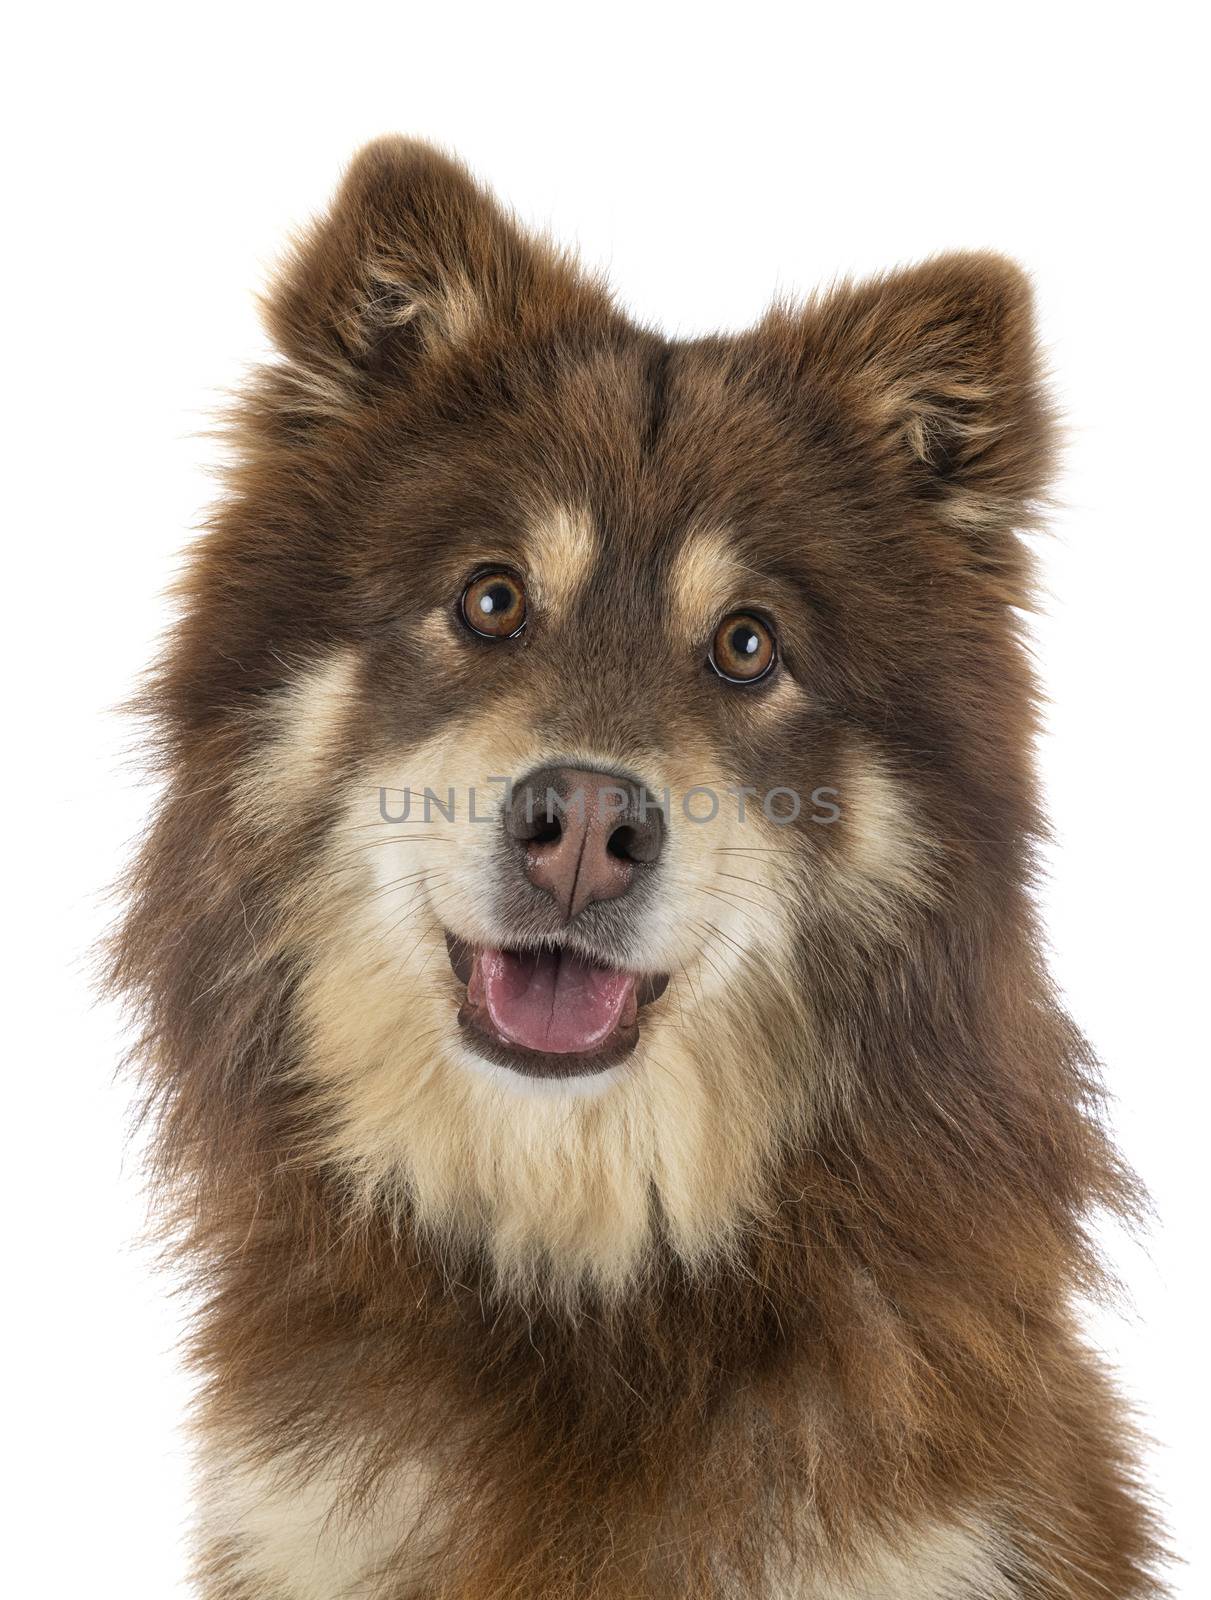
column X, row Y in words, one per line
column 561, row 548
column 705, row 579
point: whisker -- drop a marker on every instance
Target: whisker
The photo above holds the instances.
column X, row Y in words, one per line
column 753, row 850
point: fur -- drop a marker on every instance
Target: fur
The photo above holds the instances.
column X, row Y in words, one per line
column 782, row 1306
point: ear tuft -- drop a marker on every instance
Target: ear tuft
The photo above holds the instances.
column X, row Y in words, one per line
column 938, row 367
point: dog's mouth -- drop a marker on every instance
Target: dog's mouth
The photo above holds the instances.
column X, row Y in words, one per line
column 549, row 1012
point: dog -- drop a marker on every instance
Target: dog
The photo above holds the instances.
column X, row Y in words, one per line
column 608, row 1098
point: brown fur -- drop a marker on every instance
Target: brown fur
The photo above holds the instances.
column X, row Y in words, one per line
column 877, row 1339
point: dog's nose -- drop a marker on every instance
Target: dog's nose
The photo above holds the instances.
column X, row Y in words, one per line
column 583, row 835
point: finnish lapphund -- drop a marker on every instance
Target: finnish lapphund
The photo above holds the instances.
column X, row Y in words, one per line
column 608, row 1098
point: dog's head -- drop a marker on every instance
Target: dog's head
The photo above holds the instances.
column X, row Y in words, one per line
column 572, row 708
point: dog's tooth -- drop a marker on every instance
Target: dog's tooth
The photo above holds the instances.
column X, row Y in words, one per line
column 630, row 1010
column 475, row 984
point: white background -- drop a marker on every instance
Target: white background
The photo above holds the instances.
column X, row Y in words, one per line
column 707, row 157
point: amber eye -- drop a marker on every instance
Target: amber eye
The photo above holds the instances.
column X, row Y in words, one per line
column 494, row 605
column 744, row 648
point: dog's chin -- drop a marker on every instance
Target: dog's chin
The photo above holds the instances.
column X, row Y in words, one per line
column 549, row 1011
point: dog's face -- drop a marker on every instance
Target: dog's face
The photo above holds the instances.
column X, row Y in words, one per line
column 592, row 693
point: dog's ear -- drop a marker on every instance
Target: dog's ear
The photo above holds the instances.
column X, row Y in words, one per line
column 937, row 373
column 413, row 258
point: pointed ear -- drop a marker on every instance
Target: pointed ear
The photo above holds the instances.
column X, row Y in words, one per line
column 414, row 256
column 937, row 370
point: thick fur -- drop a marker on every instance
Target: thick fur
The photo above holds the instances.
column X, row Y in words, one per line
column 783, row 1307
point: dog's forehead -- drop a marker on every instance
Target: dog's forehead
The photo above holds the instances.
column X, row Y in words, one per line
column 667, row 435
column 666, row 475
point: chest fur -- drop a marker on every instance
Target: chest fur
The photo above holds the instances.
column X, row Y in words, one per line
column 280, row 1529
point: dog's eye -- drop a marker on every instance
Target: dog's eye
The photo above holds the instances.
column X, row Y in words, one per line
column 494, row 605
column 744, row 648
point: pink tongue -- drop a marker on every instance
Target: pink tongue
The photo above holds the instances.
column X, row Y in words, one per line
column 551, row 1000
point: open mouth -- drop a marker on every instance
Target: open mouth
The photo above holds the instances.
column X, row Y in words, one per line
column 549, row 1012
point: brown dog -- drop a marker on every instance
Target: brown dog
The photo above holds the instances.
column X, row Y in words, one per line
column 607, row 1089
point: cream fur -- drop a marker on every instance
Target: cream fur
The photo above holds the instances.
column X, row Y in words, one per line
column 954, row 1561
column 554, row 1179
column 561, row 548
column 283, row 1531
column 706, row 581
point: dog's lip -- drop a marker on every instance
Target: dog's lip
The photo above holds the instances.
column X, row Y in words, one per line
column 594, row 1028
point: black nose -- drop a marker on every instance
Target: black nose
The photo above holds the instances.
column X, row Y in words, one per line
column 583, row 836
